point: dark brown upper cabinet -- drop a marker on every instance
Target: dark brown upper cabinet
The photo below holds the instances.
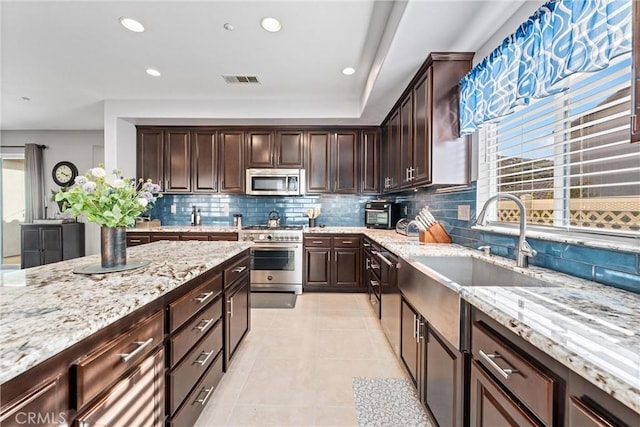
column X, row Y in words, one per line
column 164, row 156
column 370, row 164
column 275, row 149
column 635, row 78
column 231, row 161
column 422, row 139
column 204, row 150
column 332, row 161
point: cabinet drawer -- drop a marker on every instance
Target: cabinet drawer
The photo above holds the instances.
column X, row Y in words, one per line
column 180, row 344
column 181, row 310
column 346, row 242
column 229, row 237
column 164, row 236
column 193, row 236
column 236, row 270
column 324, row 242
column 194, row 403
column 533, row 387
column 45, row 399
column 137, row 240
column 187, row 373
column 100, row 368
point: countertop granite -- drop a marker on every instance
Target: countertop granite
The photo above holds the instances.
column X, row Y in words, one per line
column 590, row 328
column 185, row 229
column 46, row 309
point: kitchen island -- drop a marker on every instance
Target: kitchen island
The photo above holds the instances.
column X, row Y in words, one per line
column 52, row 319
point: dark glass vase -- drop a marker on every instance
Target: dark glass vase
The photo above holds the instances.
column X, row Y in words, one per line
column 113, row 246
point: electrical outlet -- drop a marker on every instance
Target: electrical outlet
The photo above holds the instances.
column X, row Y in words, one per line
column 406, row 210
column 225, row 208
column 173, row 208
column 464, row 212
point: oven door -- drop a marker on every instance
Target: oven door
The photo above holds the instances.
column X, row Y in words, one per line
column 276, row 265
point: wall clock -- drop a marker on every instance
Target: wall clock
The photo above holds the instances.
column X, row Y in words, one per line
column 64, row 173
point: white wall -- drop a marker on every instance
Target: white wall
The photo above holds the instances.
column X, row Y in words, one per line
column 84, row 149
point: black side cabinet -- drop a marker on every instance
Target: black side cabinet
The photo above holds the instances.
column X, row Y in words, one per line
column 45, row 243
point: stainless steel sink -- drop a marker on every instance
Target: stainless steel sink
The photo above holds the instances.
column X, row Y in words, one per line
column 468, row 271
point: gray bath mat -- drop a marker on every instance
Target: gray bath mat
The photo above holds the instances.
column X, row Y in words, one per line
column 386, row 402
column 273, row 300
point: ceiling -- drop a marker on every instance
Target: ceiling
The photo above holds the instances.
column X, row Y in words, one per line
column 73, row 59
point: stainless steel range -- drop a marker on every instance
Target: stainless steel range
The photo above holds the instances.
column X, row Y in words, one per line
column 276, row 258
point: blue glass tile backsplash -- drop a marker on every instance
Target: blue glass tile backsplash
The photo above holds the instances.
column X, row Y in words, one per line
column 336, row 210
column 614, row 268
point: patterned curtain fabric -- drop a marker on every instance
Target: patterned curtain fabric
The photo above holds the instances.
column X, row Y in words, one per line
column 562, row 38
column 35, row 198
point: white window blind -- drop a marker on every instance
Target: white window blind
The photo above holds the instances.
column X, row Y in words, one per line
column 567, row 156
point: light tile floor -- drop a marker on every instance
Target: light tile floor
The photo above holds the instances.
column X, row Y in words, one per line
column 295, row 366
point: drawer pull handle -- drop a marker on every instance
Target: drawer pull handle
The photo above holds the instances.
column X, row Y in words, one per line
column 347, row 242
column 204, row 324
column 375, row 266
column 135, row 240
column 230, row 302
column 374, row 283
column 504, row 372
column 317, row 242
column 384, row 259
column 239, row 269
column 202, row 400
column 141, row 345
column 200, row 360
column 203, row 297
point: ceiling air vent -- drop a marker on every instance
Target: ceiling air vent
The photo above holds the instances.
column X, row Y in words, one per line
column 241, row 79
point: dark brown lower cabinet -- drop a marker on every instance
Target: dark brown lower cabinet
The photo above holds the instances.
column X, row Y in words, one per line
column 237, row 313
column 44, row 244
column 137, row 400
column 135, row 238
column 411, row 346
column 46, row 405
column 491, row 406
column 333, row 263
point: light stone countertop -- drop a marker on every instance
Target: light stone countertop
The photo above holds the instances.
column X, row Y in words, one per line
column 590, row 328
column 46, row 309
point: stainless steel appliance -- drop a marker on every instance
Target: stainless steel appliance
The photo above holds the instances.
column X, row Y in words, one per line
column 276, row 258
column 381, row 214
column 275, row 182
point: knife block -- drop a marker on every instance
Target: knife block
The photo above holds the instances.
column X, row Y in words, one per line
column 439, row 233
column 426, row 237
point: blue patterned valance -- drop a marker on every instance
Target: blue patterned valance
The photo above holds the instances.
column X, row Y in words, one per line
column 563, row 37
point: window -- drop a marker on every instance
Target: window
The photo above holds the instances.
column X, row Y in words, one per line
column 568, row 156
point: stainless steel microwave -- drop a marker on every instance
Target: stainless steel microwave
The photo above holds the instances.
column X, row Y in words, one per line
column 275, row 182
column 381, row 214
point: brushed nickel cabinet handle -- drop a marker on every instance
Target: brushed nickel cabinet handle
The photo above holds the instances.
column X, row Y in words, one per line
column 202, row 400
column 347, row 242
column 316, row 242
column 200, row 360
column 505, row 373
column 203, row 297
column 239, row 269
column 141, row 345
column 204, row 324
column 230, row 302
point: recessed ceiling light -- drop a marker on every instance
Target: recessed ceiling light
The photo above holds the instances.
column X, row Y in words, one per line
column 271, row 24
column 229, row 27
column 153, row 72
column 131, row 24
column 348, row 71
column 25, row 98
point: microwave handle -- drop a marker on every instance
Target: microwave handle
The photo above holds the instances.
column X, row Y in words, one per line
column 375, row 210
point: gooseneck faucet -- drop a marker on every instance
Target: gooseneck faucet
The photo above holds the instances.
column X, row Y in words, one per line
column 524, row 250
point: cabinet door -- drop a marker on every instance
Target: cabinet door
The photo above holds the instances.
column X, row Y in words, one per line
column 47, row 401
column 582, row 415
column 408, row 340
column 150, row 155
column 177, row 157
column 318, row 165
column 443, row 384
column 370, row 162
column 137, row 400
column 345, row 162
column 231, row 161
column 317, row 267
column 393, row 146
column 204, row 154
column 490, row 406
column 635, row 79
column 260, row 149
column 290, row 149
column 406, row 140
column 346, row 268
column 238, row 309
column 422, row 133
column 31, row 255
column 51, row 241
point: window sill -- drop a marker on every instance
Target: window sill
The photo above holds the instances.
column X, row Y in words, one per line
column 593, row 240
